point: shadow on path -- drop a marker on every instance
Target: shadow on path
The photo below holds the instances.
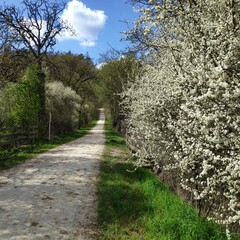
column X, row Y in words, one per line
column 53, row 196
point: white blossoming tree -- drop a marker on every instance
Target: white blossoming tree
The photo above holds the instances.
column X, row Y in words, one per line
column 185, row 111
column 63, row 103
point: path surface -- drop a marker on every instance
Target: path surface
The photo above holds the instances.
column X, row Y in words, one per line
column 53, row 196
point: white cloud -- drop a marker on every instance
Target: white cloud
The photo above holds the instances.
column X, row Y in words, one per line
column 100, row 65
column 86, row 22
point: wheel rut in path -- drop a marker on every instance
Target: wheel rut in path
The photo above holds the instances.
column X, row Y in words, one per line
column 53, row 196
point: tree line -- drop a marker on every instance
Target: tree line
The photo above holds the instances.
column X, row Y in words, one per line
column 181, row 101
column 35, row 82
column 177, row 101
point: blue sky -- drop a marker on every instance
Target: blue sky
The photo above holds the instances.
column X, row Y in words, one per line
column 98, row 24
column 115, row 12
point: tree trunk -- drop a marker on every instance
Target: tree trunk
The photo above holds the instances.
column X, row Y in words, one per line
column 42, row 118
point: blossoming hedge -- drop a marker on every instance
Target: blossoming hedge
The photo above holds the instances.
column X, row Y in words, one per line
column 184, row 110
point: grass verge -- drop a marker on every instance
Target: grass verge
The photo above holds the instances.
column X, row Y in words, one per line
column 15, row 156
column 136, row 205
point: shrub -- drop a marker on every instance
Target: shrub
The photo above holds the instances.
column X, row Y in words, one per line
column 21, row 100
column 64, row 104
column 184, row 112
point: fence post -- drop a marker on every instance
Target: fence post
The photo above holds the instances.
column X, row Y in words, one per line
column 49, row 126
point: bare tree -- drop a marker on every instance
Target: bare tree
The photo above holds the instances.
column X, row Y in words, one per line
column 35, row 27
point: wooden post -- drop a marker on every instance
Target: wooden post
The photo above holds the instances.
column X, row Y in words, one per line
column 49, row 126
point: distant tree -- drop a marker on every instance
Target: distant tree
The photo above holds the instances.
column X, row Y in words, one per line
column 35, row 27
column 115, row 74
column 72, row 69
column 79, row 73
column 63, row 103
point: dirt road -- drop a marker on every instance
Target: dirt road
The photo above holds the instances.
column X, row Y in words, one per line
column 53, row 196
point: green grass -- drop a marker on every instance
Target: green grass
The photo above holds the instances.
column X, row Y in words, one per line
column 136, row 205
column 15, row 156
column 113, row 139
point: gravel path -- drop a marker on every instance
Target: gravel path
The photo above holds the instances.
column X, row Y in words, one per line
column 53, row 196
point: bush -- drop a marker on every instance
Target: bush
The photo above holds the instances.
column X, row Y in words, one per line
column 64, row 105
column 184, row 112
column 21, row 100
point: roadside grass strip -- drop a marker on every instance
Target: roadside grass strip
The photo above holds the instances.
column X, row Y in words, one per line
column 10, row 158
column 136, row 205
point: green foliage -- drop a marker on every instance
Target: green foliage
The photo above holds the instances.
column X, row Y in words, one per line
column 64, row 105
column 79, row 73
column 136, row 205
column 24, row 100
column 4, row 100
column 16, row 156
column 114, row 76
column 72, row 70
column 13, row 65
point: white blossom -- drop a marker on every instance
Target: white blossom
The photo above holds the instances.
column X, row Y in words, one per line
column 183, row 111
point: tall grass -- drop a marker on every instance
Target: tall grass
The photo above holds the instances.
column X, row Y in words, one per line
column 136, row 205
column 10, row 158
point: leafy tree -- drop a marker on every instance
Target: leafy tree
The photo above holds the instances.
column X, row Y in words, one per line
column 79, row 73
column 114, row 76
column 72, row 69
column 13, row 65
column 63, row 104
column 23, row 100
